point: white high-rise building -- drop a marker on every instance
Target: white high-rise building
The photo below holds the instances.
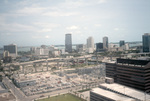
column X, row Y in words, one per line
column 90, row 45
column 68, row 43
column 105, row 42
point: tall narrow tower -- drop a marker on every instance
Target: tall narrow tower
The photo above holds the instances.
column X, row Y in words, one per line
column 105, row 42
column 90, row 42
column 146, row 42
column 68, row 43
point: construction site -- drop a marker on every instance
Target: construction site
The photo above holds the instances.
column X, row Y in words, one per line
column 45, row 77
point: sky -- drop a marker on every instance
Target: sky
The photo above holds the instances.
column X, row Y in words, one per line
column 38, row 22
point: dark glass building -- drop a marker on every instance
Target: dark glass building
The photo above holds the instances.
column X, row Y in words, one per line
column 68, row 43
column 146, row 42
column 129, row 72
column 121, row 43
column 12, row 48
column 99, row 47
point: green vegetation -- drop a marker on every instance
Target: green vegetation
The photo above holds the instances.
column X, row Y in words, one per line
column 1, row 78
column 114, row 54
column 65, row 97
column 53, row 68
column 84, row 90
column 15, row 67
column 1, row 67
column 133, row 51
column 23, row 53
column 78, row 65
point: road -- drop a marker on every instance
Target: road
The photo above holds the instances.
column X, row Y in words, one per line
column 17, row 92
column 21, row 97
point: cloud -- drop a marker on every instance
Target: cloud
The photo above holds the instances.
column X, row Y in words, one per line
column 45, row 27
column 116, row 29
column 58, row 13
column 46, row 24
column 68, row 4
column 45, row 30
column 16, row 27
column 47, row 36
column 101, row 1
column 72, row 27
column 5, row 1
column 97, row 25
column 40, row 37
column 77, row 32
column 31, row 10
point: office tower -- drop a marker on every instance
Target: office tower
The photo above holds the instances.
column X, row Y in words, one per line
column 80, row 48
column 90, row 43
column 121, row 43
column 68, row 43
column 12, row 49
column 129, row 72
column 99, row 47
column 105, row 42
column 146, row 42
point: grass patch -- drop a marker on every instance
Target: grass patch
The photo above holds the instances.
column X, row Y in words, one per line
column 64, row 97
column 84, row 90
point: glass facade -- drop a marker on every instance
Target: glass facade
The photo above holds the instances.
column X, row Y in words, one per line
column 68, row 43
column 146, row 42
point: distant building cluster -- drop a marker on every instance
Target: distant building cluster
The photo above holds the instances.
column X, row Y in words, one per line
column 10, row 51
column 45, row 51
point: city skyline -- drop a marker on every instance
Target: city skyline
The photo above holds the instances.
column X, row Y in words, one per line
column 33, row 23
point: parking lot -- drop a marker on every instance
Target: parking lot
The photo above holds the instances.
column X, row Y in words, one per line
column 48, row 81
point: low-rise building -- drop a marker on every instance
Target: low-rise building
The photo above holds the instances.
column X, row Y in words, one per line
column 117, row 92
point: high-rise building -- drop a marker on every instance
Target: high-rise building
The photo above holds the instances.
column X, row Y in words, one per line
column 68, row 43
column 90, row 44
column 99, row 47
column 12, row 49
column 80, row 48
column 105, row 42
column 121, row 43
column 146, row 42
column 129, row 72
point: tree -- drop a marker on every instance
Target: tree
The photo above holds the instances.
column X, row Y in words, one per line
column 1, row 78
column 1, row 67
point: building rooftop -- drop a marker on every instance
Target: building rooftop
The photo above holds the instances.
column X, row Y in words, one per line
column 1, row 87
column 146, row 33
column 128, row 91
column 31, row 77
column 111, row 95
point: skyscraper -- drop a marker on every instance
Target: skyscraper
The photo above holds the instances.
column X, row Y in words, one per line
column 121, row 43
column 99, row 47
column 68, row 43
column 90, row 42
column 12, row 49
column 105, row 42
column 146, row 42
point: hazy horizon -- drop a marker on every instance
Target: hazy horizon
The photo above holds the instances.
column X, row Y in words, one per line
column 37, row 22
